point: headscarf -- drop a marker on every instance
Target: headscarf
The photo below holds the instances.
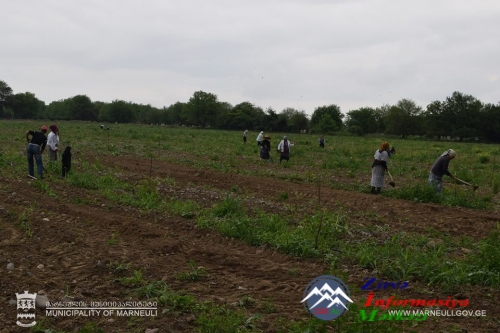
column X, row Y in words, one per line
column 54, row 129
column 450, row 152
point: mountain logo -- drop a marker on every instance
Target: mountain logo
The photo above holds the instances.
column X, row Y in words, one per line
column 326, row 297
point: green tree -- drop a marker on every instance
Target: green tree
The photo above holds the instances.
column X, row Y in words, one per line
column 243, row 116
column 294, row 119
column 299, row 122
column 58, row 110
column 5, row 92
column 490, row 122
column 361, row 121
column 26, row 106
column 118, row 111
column 81, row 108
column 326, row 125
column 173, row 114
column 331, row 110
column 434, row 120
column 462, row 114
column 380, row 114
column 202, row 109
column 404, row 118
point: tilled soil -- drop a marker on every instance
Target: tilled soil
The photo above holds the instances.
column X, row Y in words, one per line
column 75, row 249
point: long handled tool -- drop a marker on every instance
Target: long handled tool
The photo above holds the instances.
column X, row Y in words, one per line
column 392, row 183
column 465, row 183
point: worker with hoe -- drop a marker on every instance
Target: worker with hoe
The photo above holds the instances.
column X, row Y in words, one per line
column 440, row 168
column 35, row 149
column 284, row 149
column 379, row 168
column 265, row 148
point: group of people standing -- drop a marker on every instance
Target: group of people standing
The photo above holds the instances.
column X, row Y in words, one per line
column 438, row 170
column 264, row 144
column 36, row 146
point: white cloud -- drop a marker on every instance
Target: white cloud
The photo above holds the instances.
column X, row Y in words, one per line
column 301, row 54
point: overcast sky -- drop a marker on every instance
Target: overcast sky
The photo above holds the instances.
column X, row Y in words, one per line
column 282, row 53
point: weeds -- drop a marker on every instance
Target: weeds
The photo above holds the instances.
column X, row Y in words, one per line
column 113, row 240
column 24, row 221
column 135, row 280
column 195, row 272
column 246, row 302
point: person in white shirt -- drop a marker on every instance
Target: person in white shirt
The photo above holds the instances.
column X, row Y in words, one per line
column 284, row 148
column 52, row 142
column 245, row 134
column 259, row 138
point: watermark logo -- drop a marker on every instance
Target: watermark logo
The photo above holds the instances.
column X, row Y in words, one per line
column 26, row 309
column 371, row 283
column 326, row 297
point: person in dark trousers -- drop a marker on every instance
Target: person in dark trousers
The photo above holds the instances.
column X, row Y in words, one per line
column 245, row 134
column 265, row 148
column 66, row 161
column 34, row 150
column 284, row 149
column 379, row 168
column 321, row 142
column 440, row 168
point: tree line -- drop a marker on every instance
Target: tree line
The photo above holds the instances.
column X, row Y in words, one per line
column 458, row 116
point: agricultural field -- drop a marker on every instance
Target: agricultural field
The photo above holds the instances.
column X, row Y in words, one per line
column 192, row 221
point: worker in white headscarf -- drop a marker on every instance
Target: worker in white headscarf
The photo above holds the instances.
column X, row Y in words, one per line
column 259, row 138
column 440, row 168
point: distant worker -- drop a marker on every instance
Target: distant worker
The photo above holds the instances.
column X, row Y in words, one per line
column 321, row 142
column 284, row 149
column 379, row 168
column 440, row 168
column 259, row 138
column 265, row 148
column 245, row 134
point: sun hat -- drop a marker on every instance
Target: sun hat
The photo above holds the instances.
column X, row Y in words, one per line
column 267, row 137
column 285, row 137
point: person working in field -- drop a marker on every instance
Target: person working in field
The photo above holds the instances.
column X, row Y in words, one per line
column 265, row 148
column 35, row 149
column 321, row 142
column 440, row 168
column 52, row 142
column 379, row 168
column 284, row 149
column 259, row 138
column 245, row 134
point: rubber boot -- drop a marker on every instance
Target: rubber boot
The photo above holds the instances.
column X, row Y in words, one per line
column 378, row 190
column 372, row 191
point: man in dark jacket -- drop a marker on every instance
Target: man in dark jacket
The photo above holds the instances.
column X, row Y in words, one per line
column 35, row 149
column 440, row 168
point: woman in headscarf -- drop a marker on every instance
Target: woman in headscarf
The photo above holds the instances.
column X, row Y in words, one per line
column 52, row 142
column 284, row 149
column 259, row 138
column 379, row 168
column 440, row 168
